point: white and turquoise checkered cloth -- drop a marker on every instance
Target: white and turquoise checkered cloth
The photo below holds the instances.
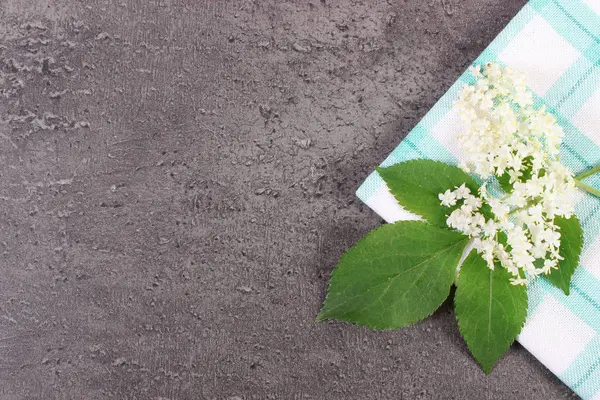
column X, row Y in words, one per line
column 556, row 43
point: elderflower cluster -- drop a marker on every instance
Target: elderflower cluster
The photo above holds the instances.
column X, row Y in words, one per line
column 507, row 138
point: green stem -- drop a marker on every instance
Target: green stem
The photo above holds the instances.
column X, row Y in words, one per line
column 587, row 188
column 529, row 204
column 514, row 210
column 587, row 173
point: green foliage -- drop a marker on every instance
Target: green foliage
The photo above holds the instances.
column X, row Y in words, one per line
column 490, row 310
column 504, row 181
column 416, row 185
column 571, row 244
column 395, row 276
column 400, row 273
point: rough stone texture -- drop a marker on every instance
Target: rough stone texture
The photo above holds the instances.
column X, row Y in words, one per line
column 178, row 182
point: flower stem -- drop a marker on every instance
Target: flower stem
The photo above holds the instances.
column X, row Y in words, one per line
column 527, row 206
column 587, row 188
column 587, row 173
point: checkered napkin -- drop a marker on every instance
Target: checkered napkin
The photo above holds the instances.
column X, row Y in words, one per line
column 556, row 43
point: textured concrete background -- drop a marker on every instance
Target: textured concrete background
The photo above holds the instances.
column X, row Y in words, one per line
column 177, row 183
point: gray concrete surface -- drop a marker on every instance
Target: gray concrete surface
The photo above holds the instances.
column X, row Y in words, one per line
column 177, row 183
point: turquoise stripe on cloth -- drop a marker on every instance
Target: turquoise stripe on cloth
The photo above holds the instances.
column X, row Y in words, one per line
column 556, row 43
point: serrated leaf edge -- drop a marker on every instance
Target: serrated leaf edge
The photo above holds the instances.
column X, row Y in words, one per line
column 320, row 318
column 566, row 289
column 487, row 370
column 416, row 160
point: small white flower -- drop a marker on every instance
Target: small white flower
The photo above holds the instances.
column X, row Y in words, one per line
column 538, row 251
column 473, row 202
column 475, row 70
column 551, row 237
column 519, row 195
column 490, row 228
column 536, row 212
column 458, row 220
column 499, row 209
column 464, row 166
column 505, row 135
column 462, row 192
column 549, row 265
column 514, row 175
column 523, row 98
column 519, row 281
column 448, row 198
column 533, row 187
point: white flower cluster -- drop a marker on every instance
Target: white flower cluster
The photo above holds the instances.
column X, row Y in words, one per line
column 508, row 138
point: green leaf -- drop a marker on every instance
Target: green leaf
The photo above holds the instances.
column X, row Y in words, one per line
column 504, row 181
column 416, row 185
column 490, row 310
column 396, row 275
column 528, row 170
column 571, row 243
